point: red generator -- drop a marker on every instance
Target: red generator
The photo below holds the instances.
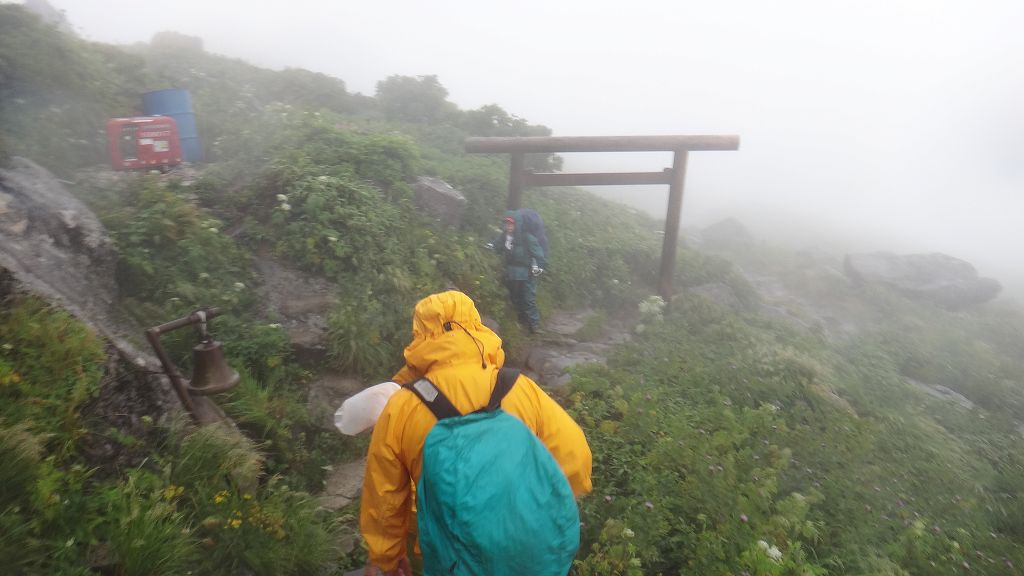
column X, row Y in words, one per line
column 143, row 142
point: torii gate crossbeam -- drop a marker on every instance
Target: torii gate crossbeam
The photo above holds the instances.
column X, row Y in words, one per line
column 674, row 177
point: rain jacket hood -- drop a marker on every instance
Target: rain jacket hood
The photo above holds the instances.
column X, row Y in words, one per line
column 515, row 215
column 447, row 331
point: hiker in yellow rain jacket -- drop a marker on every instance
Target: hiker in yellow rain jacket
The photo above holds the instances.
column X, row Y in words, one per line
column 461, row 357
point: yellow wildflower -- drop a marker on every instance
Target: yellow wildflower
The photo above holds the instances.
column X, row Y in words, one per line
column 172, row 492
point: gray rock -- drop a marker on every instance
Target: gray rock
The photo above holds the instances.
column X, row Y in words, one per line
column 53, row 244
column 566, row 324
column 942, row 392
column 438, row 198
column 343, row 485
column 939, row 278
column 303, row 304
column 728, row 235
column 326, row 394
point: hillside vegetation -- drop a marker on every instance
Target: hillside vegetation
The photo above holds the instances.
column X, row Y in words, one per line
column 727, row 439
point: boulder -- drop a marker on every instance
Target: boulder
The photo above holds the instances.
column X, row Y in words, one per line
column 438, row 198
column 939, row 278
column 728, row 235
column 54, row 245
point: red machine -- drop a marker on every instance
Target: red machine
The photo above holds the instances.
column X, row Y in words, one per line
column 143, row 142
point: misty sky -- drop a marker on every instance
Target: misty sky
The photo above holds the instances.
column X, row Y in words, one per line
column 874, row 124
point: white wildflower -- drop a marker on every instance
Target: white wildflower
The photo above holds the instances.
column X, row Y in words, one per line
column 771, row 550
column 203, row 275
column 627, row 533
column 332, row 239
column 282, row 197
column 286, row 206
column 239, row 286
column 273, row 325
column 652, row 308
column 212, row 229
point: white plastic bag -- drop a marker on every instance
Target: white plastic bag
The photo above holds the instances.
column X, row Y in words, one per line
column 360, row 412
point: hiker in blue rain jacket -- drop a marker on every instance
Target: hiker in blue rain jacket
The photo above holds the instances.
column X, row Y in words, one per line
column 524, row 261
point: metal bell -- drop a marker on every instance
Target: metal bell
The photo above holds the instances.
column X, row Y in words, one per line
column 211, row 373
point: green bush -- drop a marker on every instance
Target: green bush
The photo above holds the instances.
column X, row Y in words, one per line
column 273, row 412
column 363, row 337
column 173, row 254
column 731, row 444
column 50, row 366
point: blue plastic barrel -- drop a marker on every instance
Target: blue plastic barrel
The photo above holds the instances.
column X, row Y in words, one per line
column 176, row 103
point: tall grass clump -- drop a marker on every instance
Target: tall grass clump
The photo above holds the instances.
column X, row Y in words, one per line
column 50, row 366
column 148, row 534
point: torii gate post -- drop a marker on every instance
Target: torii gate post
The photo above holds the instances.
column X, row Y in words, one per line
column 674, row 177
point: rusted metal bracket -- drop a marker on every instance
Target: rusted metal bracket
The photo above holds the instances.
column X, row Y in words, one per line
column 203, row 409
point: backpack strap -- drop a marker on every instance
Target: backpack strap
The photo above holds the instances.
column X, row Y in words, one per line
column 507, row 378
column 442, row 407
column 433, row 398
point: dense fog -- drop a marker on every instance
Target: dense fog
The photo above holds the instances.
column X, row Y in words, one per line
column 869, row 126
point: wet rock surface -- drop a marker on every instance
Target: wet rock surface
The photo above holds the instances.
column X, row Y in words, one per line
column 344, row 484
column 55, row 246
column 326, row 394
column 301, row 303
column 549, row 357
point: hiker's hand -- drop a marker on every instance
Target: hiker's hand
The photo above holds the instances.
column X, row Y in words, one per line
column 536, row 271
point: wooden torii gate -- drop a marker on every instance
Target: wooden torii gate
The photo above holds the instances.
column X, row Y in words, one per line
column 674, row 176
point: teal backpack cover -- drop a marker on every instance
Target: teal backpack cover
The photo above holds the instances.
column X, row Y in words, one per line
column 491, row 500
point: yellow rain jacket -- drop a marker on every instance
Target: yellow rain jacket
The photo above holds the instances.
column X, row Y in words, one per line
column 463, row 362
